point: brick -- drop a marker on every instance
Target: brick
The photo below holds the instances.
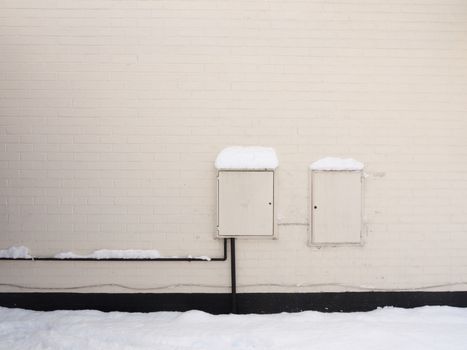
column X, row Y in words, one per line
column 112, row 114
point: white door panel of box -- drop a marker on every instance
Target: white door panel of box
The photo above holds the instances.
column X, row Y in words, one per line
column 246, row 203
column 336, row 207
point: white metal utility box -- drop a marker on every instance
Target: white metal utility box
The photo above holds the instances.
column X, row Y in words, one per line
column 245, row 204
column 245, row 192
column 336, row 202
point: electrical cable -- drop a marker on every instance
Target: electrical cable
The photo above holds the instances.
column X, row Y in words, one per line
column 252, row 285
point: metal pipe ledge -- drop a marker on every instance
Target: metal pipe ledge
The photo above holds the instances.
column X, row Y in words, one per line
column 224, row 258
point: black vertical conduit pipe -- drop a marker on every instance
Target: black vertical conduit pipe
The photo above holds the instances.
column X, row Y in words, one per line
column 233, row 276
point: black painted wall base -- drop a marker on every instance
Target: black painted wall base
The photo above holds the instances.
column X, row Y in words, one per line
column 221, row 303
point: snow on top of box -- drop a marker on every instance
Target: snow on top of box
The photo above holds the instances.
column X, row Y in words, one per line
column 112, row 254
column 247, row 158
column 333, row 163
column 15, row 252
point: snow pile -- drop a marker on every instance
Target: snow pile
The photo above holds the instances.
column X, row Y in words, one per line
column 332, row 163
column 201, row 257
column 15, row 252
column 247, row 158
column 427, row 328
column 112, row 254
column 103, row 254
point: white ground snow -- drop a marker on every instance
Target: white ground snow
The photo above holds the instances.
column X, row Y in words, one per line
column 247, row 158
column 424, row 328
column 332, row 163
column 15, row 252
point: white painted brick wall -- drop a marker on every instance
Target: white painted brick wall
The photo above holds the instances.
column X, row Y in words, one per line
column 112, row 113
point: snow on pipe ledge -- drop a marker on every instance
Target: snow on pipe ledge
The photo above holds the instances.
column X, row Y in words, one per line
column 23, row 253
column 15, row 252
column 337, row 164
column 247, row 158
column 112, row 254
column 104, row 254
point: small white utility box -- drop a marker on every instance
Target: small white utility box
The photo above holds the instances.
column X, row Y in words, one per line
column 336, row 202
column 245, row 192
column 245, row 203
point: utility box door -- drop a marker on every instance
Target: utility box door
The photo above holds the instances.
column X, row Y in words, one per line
column 336, row 207
column 245, row 203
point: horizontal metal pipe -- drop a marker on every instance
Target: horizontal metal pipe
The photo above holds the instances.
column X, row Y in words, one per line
column 224, row 258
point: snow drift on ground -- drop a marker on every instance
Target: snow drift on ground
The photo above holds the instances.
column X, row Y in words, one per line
column 15, row 252
column 247, row 158
column 424, row 328
column 332, row 163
